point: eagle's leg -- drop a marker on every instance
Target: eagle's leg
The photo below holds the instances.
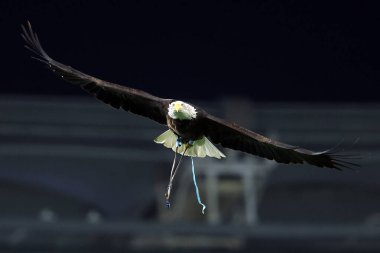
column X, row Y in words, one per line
column 173, row 172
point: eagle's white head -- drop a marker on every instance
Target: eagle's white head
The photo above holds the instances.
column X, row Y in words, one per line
column 181, row 110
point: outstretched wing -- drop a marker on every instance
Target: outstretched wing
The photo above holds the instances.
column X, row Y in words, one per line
column 133, row 100
column 233, row 136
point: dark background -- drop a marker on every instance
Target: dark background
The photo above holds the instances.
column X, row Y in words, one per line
column 79, row 176
column 266, row 50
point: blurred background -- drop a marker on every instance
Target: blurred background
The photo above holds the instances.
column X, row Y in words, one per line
column 79, row 176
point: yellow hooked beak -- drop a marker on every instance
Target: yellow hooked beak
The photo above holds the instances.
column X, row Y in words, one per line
column 177, row 106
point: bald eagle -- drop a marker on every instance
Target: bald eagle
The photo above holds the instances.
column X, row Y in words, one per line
column 196, row 129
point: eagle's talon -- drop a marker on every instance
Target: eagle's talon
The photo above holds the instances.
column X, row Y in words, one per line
column 179, row 141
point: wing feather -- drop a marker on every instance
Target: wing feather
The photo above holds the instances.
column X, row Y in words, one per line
column 133, row 100
column 233, row 136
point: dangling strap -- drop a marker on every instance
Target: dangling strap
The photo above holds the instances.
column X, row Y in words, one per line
column 174, row 170
column 169, row 188
column 174, row 160
column 178, row 164
column 196, row 186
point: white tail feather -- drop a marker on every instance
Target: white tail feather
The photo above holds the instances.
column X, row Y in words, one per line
column 200, row 148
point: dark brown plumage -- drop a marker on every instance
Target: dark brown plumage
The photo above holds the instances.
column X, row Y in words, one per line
column 219, row 131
